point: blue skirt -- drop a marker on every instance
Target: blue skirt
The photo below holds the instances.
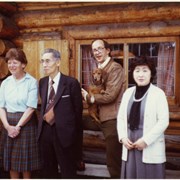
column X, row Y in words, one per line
column 21, row 153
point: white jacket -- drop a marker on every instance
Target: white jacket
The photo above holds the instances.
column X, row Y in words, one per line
column 156, row 120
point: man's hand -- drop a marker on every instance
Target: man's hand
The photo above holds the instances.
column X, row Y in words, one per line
column 84, row 94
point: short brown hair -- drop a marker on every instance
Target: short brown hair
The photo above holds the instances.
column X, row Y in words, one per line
column 17, row 54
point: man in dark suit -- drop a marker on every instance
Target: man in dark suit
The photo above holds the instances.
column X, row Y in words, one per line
column 60, row 128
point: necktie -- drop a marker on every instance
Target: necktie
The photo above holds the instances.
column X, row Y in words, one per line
column 49, row 114
column 51, row 96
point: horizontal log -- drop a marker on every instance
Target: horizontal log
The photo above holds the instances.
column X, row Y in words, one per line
column 139, row 29
column 173, row 131
column 8, row 28
column 3, row 68
column 5, row 45
column 175, row 115
column 94, row 139
column 137, row 12
column 30, row 6
column 36, row 36
column 8, row 8
column 18, row 41
column 173, row 143
column 42, row 30
column 168, row 28
column 175, row 124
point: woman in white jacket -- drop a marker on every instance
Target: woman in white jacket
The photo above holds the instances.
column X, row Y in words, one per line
column 142, row 119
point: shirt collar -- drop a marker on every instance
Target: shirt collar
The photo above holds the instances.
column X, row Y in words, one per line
column 26, row 76
column 102, row 65
column 56, row 78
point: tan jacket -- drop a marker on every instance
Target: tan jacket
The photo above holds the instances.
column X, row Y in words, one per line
column 115, row 85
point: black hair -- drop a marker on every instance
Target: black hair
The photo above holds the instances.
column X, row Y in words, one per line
column 143, row 60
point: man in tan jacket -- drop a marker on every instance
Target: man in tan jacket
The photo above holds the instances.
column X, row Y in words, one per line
column 108, row 103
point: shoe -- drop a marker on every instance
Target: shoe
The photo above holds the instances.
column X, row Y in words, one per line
column 81, row 165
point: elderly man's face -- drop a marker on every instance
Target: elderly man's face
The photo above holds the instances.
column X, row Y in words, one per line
column 50, row 64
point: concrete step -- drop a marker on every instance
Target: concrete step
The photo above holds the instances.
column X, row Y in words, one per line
column 98, row 170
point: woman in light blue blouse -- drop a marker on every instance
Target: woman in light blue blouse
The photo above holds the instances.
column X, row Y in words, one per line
column 18, row 101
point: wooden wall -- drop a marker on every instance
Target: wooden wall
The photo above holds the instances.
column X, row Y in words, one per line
column 79, row 21
column 8, row 30
column 87, row 20
column 41, row 21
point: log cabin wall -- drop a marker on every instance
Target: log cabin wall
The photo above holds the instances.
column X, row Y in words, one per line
column 8, row 31
column 41, row 21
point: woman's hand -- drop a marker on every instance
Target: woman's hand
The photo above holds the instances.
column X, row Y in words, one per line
column 140, row 144
column 127, row 143
column 13, row 131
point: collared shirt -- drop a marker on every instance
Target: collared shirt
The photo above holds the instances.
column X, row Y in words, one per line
column 16, row 96
column 102, row 65
column 56, row 82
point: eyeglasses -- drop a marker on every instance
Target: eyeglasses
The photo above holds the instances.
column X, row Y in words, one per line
column 47, row 61
column 99, row 49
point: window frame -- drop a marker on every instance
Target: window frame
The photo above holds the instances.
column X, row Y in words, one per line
column 172, row 100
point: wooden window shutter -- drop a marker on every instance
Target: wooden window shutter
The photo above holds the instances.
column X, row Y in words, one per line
column 34, row 49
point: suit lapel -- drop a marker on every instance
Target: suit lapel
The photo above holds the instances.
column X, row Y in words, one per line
column 44, row 93
column 61, row 87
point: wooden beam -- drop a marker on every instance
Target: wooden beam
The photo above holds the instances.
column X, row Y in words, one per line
column 18, row 42
column 94, row 139
column 139, row 29
column 5, row 45
column 8, row 28
column 42, row 30
column 8, row 8
column 30, row 6
column 145, row 29
column 137, row 12
column 3, row 68
column 31, row 36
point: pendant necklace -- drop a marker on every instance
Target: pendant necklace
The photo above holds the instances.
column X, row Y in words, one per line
column 138, row 100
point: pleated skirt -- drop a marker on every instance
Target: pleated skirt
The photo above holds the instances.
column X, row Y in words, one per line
column 134, row 168
column 21, row 153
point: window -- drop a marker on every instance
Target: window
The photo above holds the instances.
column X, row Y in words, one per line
column 163, row 56
column 163, row 51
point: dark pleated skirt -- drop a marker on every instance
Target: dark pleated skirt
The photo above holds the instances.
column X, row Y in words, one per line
column 21, row 153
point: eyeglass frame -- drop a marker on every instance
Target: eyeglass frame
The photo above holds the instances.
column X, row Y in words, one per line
column 99, row 49
column 47, row 61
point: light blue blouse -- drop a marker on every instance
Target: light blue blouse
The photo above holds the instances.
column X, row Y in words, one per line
column 16, row 96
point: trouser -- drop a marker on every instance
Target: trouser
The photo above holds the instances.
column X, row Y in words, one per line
column 113, row 147
column 53, row 154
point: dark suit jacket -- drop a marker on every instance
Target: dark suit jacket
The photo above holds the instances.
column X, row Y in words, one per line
column 67, row 109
